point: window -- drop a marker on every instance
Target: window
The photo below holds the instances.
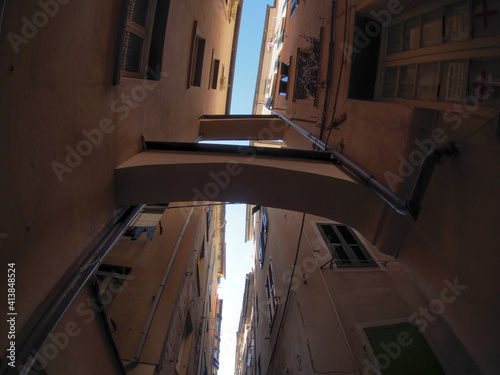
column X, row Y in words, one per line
column 293, row 7
column 200, row 269
column 146, row 221
column 415, row 355
column 276, row 64
column 262, row 248
column 283, row 87
column 141, row 43
column 444, row 81
column 209, row 214
column 110, row 279
column 281, row 36
column 197, row 55
column 283, row 10
column 306, row 72
column 346, row 249
column 265, row 220
column 438, row 26
column 268, row 85
column 364, row 61
column 214, row 72
column 272, row 300
column 263, row 235
column 413, row 67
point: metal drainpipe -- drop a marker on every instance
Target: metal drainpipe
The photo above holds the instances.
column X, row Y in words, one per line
column 135, row 361
column 33, row 343
column 210, row 266
column 387, row 195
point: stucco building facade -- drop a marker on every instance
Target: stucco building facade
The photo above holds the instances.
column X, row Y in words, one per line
column 385, row 84
column 85, row 84
column 97, row 96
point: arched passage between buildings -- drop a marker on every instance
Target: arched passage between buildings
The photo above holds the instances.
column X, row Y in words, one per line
column 312, row 186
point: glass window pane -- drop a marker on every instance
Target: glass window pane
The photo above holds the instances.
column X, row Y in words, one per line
column 453, row 80
column 340, row 256
column 456, row 22
column 411, row 34
column 348, row 237
column 394, row 39
column 262, row 248
column 390, row 80
column 138, row 11
column 427, row 81
column 293, row 6
column 132, row 52
column 330, row 234
column 406, row 81
column 360, row 255
column 432, row 28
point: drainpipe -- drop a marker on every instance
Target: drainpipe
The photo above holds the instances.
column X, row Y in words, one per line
column 387, row 195
column 410, row 206
column 135, row 361
column 301, row 130
column 232, row 63
column 33, row 343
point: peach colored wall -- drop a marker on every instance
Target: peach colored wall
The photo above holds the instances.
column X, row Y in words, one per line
column 329, row 308
column 58, row 85
column 455, row 234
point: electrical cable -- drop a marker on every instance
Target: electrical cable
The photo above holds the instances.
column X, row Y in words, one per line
column 287, row 294
column 340, row 74
column 329, row 74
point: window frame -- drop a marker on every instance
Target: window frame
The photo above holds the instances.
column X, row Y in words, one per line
column 300, row 65
column 153, row 36
column 284, row 79
column 262, row 241
column 353, row 259
column 148, row 219
column 214, row 72
column 195, row 72
column 144, row 32
column 293, row 7
column 272, row 298
column 464, row 50
column 110, row 273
